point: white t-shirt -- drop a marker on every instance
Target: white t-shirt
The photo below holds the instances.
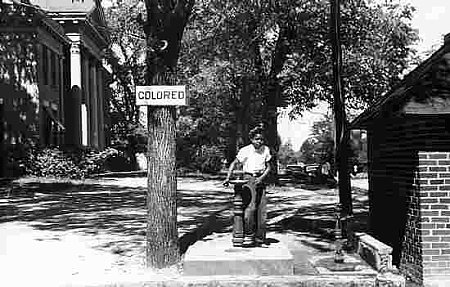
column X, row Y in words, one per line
column 253, row 161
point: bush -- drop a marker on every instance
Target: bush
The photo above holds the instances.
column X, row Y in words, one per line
column 120, row 162
column 208, row 159
column 94, row 162
column 76, row 164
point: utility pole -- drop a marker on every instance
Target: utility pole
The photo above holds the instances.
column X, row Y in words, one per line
column 340, row 120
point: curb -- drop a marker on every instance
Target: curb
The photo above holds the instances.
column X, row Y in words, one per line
column 252, row 281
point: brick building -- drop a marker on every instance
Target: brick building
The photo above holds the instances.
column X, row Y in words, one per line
column 52, row 80
column 408, row 134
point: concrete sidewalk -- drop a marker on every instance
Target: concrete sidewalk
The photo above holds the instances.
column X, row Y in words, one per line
column 93, row 233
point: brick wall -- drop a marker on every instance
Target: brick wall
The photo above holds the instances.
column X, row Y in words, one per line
column 401, row 214
column 411, row 252
column 434, row 213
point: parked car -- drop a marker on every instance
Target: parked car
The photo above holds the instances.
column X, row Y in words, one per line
column 312, row 169
column 296, row 172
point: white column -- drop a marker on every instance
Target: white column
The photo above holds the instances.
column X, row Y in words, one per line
column 84, row 125
column 75, row 61
column 86, row 107
column 76, row 80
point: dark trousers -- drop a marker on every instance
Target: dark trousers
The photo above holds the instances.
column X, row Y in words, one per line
column 255, row 211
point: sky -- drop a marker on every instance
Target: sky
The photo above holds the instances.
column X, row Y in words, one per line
column 431, row 19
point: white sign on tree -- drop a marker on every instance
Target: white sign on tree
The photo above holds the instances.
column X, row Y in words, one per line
column 161, row 96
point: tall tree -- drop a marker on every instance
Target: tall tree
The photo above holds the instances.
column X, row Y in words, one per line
column 376, row 49
column 278, row 53
column 126, row 55
column 244, row 36
column 164, row 27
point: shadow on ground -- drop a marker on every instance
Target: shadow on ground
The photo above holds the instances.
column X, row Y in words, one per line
column 95, row 208
column 315, row 220
column 92, row 208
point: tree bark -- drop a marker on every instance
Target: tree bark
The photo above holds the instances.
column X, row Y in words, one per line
column 162, row 234
column 271, row 118
column 244, row 118
column 272, row 96
column 164, row 28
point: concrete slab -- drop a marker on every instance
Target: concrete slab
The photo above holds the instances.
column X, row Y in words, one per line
column 215, row 255
column 352, row 265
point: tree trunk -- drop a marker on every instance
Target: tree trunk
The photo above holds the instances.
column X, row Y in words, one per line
column 164, row 28
column 232, row 132
column 271, row 117
column 162, row 235
column 244, row 113
column 272, row 96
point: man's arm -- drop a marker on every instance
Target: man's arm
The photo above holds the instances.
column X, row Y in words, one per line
column 230, row 171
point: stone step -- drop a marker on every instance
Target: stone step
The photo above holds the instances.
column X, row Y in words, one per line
column 216, row 256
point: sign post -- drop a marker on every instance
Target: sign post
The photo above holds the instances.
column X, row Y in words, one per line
column 162, row 236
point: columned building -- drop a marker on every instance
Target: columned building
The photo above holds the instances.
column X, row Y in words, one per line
column 53, row 85
column 84, row 25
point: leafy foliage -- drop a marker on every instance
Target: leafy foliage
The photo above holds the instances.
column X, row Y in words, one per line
column 126, row 55
column 376, row 41
column 237, row 56
column 287, row 155
column 288, row 42
column 208, row 159
column 319, row 147
column 76, row 164
column 247, row 56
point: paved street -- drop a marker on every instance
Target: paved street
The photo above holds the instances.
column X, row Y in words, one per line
column 95, row 230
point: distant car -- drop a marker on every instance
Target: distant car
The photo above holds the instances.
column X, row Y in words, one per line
column 296, row 172
column 312, row 169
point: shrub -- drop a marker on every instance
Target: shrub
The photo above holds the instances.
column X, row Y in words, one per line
column 76, row 164
column 208, row 159
column 94, row 162
column 51, row 162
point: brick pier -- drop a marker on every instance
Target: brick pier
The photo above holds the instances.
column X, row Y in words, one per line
column 426, row 245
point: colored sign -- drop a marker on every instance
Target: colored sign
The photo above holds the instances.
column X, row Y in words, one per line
column 161, row 96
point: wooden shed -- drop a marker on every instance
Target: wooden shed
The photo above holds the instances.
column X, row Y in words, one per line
column 408, row 134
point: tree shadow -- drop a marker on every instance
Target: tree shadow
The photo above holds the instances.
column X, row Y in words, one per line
column 87, row 208
column 214, row 223
column 91, row 209
column 94, row 208
column 315, row 221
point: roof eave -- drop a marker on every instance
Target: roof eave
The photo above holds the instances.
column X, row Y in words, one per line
column 364, row 119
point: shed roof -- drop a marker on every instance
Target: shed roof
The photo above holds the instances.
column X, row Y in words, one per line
column 400, row 93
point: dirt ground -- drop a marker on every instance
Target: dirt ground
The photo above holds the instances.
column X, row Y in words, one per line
column 55, row 233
